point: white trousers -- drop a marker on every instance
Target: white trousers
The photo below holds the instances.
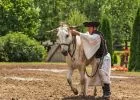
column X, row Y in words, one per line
column 103, row 74
column 105, row 70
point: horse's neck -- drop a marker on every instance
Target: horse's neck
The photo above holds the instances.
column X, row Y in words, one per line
column 73, row 44
column 77, row 42
column 79, row 52
column 79, row 55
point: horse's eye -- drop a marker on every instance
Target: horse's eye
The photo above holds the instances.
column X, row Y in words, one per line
column 67, row 36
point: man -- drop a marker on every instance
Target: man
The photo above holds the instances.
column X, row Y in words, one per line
column 94, row 44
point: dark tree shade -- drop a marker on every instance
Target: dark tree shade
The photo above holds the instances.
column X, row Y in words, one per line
column 135, row 45
column 105, row 28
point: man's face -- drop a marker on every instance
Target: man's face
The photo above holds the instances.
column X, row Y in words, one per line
column 91, row 29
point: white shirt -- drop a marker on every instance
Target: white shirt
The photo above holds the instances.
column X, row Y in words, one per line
column 91, row 43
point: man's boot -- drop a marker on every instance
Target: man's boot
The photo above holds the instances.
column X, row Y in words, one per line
column 106, row 91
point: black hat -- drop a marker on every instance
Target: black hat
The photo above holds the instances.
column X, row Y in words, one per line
column 90, row 24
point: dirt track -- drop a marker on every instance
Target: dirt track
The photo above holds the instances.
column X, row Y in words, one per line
column 19, row 83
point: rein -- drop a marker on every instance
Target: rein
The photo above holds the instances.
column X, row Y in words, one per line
column 98, row 66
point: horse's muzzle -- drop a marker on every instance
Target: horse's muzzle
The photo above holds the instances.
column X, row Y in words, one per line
column 65, row 53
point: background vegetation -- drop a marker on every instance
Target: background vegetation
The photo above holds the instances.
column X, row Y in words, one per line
column 34, row 17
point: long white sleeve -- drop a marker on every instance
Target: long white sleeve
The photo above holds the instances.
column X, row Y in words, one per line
column 91, row 44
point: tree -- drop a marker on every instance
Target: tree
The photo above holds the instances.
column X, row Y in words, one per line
column 52, row 12
column 121, row 14
column 105, row 28
column 19, row 16
column 134, row 63
column 76, row 18
column 93, row 9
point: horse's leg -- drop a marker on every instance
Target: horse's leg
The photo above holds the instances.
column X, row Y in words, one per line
column 82, row 81
column 69, row 76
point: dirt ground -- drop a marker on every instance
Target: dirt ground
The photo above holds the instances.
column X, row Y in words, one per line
column 40, row 81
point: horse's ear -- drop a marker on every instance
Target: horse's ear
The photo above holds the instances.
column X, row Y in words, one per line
column 55, row 30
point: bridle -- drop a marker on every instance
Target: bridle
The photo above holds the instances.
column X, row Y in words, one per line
column 73, row 43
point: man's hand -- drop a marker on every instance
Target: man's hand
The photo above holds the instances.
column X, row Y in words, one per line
column 74, row 32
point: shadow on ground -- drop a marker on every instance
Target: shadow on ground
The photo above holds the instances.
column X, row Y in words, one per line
column 82, row 98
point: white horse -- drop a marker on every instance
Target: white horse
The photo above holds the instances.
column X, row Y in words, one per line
column 71, row 47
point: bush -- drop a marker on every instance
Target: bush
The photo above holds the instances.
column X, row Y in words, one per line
column 115, row 59
column 3, row 54
column 15, row 47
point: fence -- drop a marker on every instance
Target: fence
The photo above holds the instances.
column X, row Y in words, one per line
column 57, row 56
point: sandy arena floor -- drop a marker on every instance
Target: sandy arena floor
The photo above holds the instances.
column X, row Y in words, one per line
column 40, row 81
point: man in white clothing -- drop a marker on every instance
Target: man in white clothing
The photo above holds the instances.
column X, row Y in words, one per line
column 94, row 44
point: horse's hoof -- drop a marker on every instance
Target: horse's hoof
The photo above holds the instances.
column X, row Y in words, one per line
column 75, row 91
column 82, row 94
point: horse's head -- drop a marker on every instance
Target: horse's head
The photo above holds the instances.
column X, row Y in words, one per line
column 65, row 38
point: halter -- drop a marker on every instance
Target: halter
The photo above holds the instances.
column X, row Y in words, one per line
column 69, row 49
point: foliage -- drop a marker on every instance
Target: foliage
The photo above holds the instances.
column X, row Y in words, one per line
column 3, row 54
column 35, row 17
column 93, row 9
column 121, row 14
column 115, row 59
column 51, row 14
column 76, row 18
column 19, row 16
column 135, row 45
column 16, row 47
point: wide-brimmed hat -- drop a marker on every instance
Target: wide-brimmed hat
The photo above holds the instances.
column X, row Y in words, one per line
column 90, row 24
